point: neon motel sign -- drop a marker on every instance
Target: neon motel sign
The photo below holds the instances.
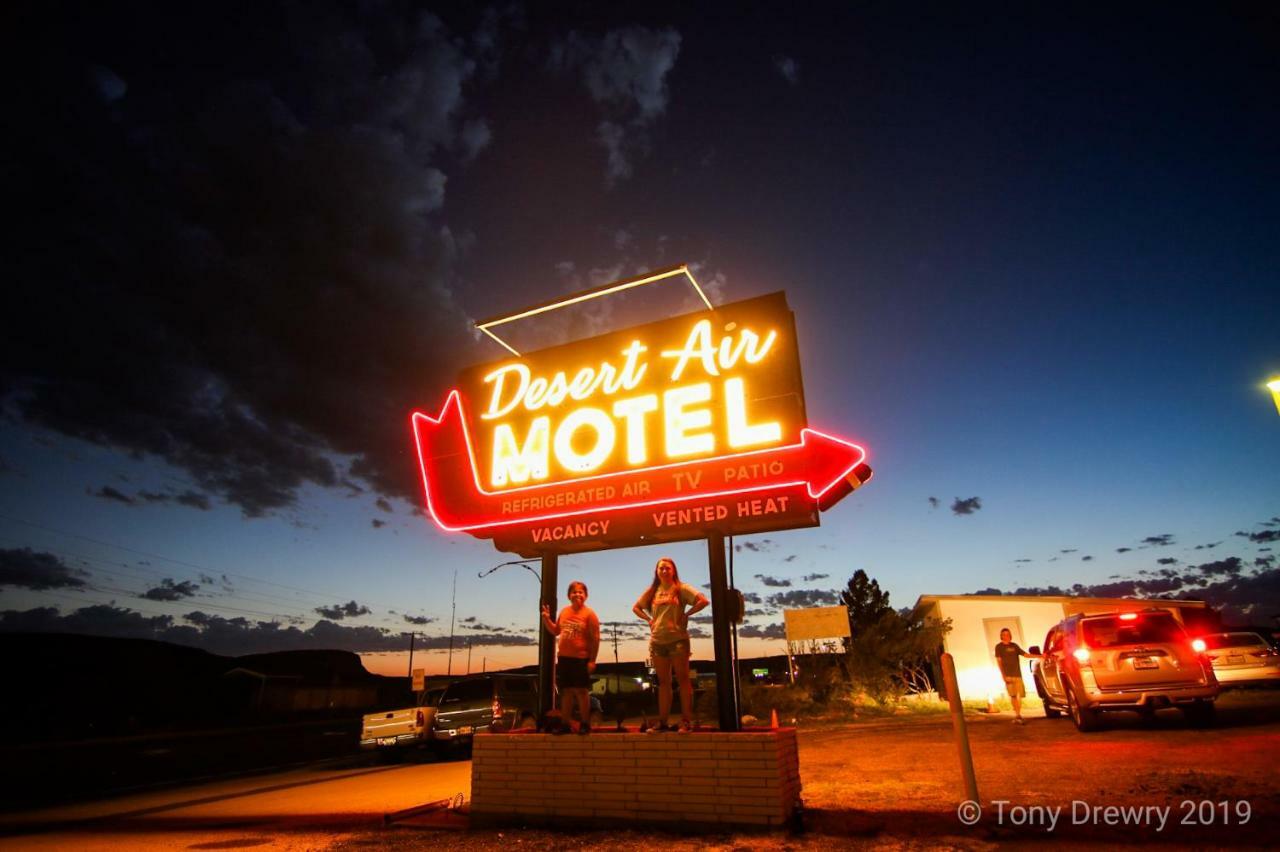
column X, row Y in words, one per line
column 655, row 433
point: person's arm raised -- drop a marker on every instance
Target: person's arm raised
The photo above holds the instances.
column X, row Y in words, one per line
column 552, row 627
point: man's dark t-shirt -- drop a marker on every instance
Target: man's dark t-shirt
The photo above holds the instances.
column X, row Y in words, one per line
column 1007, row 654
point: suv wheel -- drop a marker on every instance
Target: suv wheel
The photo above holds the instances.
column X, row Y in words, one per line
column 1085, row 718
column 1200, row 714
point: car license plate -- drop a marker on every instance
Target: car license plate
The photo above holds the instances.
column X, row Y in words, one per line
column 465, row 730
column 386, row 740
column 1235, row 660
column 1145, row 663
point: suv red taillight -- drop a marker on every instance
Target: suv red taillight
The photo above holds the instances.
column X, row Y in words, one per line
column 497, row 707
column 1081, row 654
column 1198, row 646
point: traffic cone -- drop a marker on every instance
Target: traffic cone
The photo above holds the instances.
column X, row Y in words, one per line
column 773, row 719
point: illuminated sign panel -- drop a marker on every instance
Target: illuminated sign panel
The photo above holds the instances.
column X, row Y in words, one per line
column 655, row 433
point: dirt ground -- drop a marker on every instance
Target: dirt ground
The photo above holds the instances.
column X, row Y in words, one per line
column 895, row 784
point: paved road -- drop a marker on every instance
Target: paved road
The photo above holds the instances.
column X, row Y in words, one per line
column 300, row 809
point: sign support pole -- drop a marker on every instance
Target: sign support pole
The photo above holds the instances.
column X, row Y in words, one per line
column 727, row 696
column 547, row 642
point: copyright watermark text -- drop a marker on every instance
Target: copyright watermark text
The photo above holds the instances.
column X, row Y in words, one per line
column 1158, row 817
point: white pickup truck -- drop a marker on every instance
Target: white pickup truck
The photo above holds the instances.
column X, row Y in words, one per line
column 404, row 728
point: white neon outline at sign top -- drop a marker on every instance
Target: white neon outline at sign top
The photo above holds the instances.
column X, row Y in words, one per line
column 573, row 300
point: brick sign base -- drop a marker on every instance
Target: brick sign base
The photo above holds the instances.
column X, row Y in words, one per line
column 748, row 779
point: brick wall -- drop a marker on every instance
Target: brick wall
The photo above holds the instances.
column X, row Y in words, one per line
column 610, row 779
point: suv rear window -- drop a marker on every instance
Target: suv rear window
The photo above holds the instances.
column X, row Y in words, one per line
column 1146, row 629
column 515, row 685
column 1232, row 640
column 468, row 690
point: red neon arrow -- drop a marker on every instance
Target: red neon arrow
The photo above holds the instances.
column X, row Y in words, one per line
column 457, row 500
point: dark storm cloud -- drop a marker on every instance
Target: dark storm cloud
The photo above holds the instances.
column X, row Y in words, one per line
column 1162, row 540
column 752, row 597
column 1123, row 549
column 775, row 582
column 810, row 578
column 1023, row 560
column 987, row 591
column 933, row 502
column 168, row 590
column 237, row 238
column 31, row 569
column 1166, row 560
column 788, row 68
column 377, row 523
column 383, row 504
column 625, row 72
column 760, row 546
column 337, row 612
column 1229, row 566
column 769, row 631
column 967, row 506
column 1261, row 536
column 1086, row 558
column 1209, row 546
column 471, row 619
column 789, row 558
column 799, row 598
column 1068, row 550
column 478, row 625
column 106, row 492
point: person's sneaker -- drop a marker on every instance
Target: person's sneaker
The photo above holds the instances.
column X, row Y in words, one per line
column 684, row 728
column 659, row 729
column 1018, row 720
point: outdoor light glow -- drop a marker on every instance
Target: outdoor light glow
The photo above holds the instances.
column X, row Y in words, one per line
column 685, row 414
column 1274, row 387
column 1198, row 646
column 1128, row 616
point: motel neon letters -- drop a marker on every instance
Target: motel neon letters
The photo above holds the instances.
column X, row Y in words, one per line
column 587, row 436
column 647, row 434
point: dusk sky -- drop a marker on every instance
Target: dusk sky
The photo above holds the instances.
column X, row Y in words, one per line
column 1031, row 253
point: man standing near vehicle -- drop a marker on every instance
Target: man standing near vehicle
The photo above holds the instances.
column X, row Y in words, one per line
column 1008, row 654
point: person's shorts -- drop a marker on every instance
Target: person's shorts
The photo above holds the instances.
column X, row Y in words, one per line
column 669, row 650
column 1015, row 686
column 571, row 673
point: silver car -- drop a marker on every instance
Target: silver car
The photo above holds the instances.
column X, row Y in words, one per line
column 1242, row 658
column 1140, row 661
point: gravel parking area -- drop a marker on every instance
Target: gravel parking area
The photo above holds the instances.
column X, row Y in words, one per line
column 895, row 784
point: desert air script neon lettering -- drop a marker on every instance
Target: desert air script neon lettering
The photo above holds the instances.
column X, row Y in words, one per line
column 587, row 436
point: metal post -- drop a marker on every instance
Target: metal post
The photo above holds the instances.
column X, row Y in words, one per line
column 726, row 695
column 961, row 732
column 411, row 635
column 453, row 615
column 547, row 642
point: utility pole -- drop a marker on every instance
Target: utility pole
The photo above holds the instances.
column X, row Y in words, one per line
column 411, row 636
column 468, row 655
column 453, row 612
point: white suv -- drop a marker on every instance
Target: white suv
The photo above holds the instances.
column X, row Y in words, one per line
column 1141, row 661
